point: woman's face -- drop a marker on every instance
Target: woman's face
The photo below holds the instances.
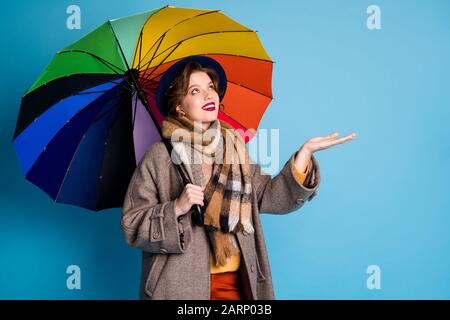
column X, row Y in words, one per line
column 202, row 101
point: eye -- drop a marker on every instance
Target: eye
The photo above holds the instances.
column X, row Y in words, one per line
column 210, row 86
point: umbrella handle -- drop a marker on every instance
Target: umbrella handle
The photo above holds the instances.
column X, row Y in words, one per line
column 198, row 214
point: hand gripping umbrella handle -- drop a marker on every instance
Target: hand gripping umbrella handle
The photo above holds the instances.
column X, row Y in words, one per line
column 197, row 215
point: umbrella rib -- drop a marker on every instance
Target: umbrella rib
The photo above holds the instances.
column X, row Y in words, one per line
column 230, row 81
column 89, row 92
column 141, row 33
column 105, row 62
column 113, row 122
column 148, row 81
column 248, row 88
column 77, row 74
column 180, row 42
column 139, row 59
column 224, row 54
column 135, row 108
column 101, row 115
column 140, row 49
column 175, row 25
column 146, row 78
column 145, row 22
column 78, row 146
column 138, row 46
column 148, row 65
column 133, row 79
column 122, row 85
column 98, row 91
column 207, row 33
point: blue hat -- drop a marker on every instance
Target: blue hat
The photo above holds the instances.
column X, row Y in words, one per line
column 176, row 69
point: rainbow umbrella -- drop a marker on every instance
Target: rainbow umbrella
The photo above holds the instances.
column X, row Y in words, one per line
column 86, row 122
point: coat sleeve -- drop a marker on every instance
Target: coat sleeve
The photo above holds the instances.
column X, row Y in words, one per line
column 283, row 193
column 148, row 223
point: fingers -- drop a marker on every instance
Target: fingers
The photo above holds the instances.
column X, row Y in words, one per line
column 331, row 142
column 196, row 200
column 194, row 193
column 324, row 138
column 194, row 187
column 345, row 138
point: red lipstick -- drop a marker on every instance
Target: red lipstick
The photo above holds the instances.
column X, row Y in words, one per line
column 209, row 106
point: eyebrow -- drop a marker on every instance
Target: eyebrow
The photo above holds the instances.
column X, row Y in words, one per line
column 198, row 85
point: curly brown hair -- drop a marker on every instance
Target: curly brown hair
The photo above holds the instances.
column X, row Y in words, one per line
column 179, row 86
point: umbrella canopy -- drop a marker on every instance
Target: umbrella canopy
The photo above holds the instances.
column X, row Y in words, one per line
column 86, row 122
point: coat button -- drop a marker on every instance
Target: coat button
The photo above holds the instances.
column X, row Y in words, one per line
column 252, row 268
column 162, row 250
column 155, row 235
column 299, row 200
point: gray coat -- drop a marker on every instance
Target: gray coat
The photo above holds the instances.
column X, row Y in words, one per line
column 175, row 252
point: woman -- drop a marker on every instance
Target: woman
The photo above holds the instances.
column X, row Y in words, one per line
column 225, row 258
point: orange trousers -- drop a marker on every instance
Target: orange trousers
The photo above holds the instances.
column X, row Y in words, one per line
column 226, row 286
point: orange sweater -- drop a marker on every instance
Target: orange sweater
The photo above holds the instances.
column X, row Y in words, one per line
column 234, row 262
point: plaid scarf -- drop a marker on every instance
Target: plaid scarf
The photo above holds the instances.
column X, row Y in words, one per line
column 227, row 195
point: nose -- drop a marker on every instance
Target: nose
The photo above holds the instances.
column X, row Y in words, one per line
column 208, row 95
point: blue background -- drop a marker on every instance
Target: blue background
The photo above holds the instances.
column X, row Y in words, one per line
column 384, row 197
